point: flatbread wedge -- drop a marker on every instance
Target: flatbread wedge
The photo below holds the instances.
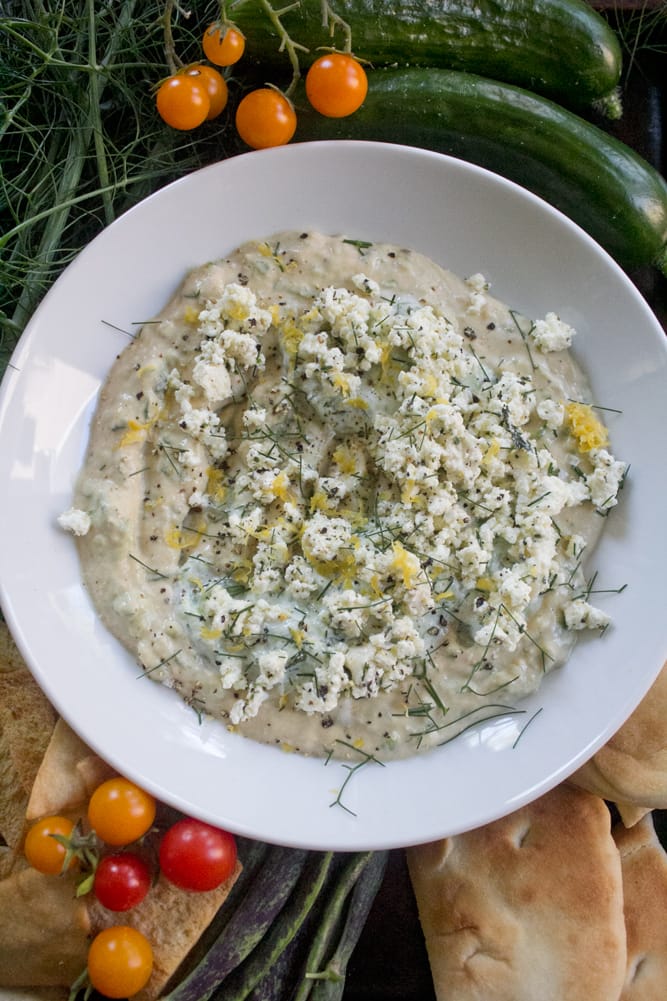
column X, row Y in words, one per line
column 527, row 907
column 644, row 868
column 631, row 769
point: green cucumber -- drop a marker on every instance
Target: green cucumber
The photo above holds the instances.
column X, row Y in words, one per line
column 592, row 177
column 561, row 48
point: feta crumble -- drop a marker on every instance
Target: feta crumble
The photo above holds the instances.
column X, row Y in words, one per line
column 75, row 520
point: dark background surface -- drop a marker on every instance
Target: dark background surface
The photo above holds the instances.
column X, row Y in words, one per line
column 390, row 961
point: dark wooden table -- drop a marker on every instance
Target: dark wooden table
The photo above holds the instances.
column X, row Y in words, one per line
column 390, row 961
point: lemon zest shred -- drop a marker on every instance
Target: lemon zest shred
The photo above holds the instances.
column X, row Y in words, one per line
column 215, row 487
column 586, row 428
column 345, row 460
column 341, row 381
column 491, row 452
column 136, row 432
column 405, row 563
column 210, row 633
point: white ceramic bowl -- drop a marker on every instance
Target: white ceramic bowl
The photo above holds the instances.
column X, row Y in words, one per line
column 467, row 219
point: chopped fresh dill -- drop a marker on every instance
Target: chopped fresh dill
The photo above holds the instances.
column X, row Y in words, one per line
column 526, row 725
column 364, row 759
column 156, row 667
column 146, row 567
column 524, row 335
column 361, row 245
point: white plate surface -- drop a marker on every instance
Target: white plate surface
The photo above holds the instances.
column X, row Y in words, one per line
column 467, row 219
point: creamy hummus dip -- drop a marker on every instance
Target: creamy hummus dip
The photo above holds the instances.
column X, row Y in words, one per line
column 340, row 499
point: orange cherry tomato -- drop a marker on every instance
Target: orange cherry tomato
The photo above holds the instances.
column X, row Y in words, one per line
column 41, row 848
column 182, row 101
column 264, row 118
column 216, row 86
column 120, row 812
column 336, row 85
column 120, row 961
column 222, row 44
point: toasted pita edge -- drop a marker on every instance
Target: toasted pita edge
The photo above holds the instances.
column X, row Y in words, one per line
column 68, row 773
column 644, row 872
column 631, row 768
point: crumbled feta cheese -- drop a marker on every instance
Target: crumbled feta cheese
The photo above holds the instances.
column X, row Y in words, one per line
column 579, row 614
column 75, row 521
column 365, row 284
column 605, row 479
column 254, row 418
column 324, row 537
column 552, row 333
column 551, row 412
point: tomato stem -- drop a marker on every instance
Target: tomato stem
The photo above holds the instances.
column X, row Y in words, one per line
column 287, row 43
column 174, row 63
column 332, row 20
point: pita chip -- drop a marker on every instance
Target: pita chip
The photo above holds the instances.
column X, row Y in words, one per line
column 43, row 930
column 529, row 906
column 68, row 774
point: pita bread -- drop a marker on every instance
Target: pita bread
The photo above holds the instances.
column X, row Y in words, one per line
column 528, row 907
column 68, row 774
column 27, row 720
column 10, row 658
column 631, row 769
column 43, row 930
column 644, row 868
column 36, row 994
column 172, row 920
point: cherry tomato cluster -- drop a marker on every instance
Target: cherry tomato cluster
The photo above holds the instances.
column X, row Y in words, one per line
column 336, row 86
column 198, row 93
column 193, row 855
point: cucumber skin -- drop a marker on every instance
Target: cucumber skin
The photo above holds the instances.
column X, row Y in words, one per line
column 596, row 180
column 562, row 48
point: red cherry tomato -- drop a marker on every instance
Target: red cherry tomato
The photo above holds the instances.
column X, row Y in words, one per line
column 336, row 85
column 121, row 881
column 120, row 961
column 41, row 848
column 197, row 856
column 264, row 118
column 222, row 44
column 120, row 812
column 182, row 101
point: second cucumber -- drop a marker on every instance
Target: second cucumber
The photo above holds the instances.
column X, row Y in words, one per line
column 593, row 178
